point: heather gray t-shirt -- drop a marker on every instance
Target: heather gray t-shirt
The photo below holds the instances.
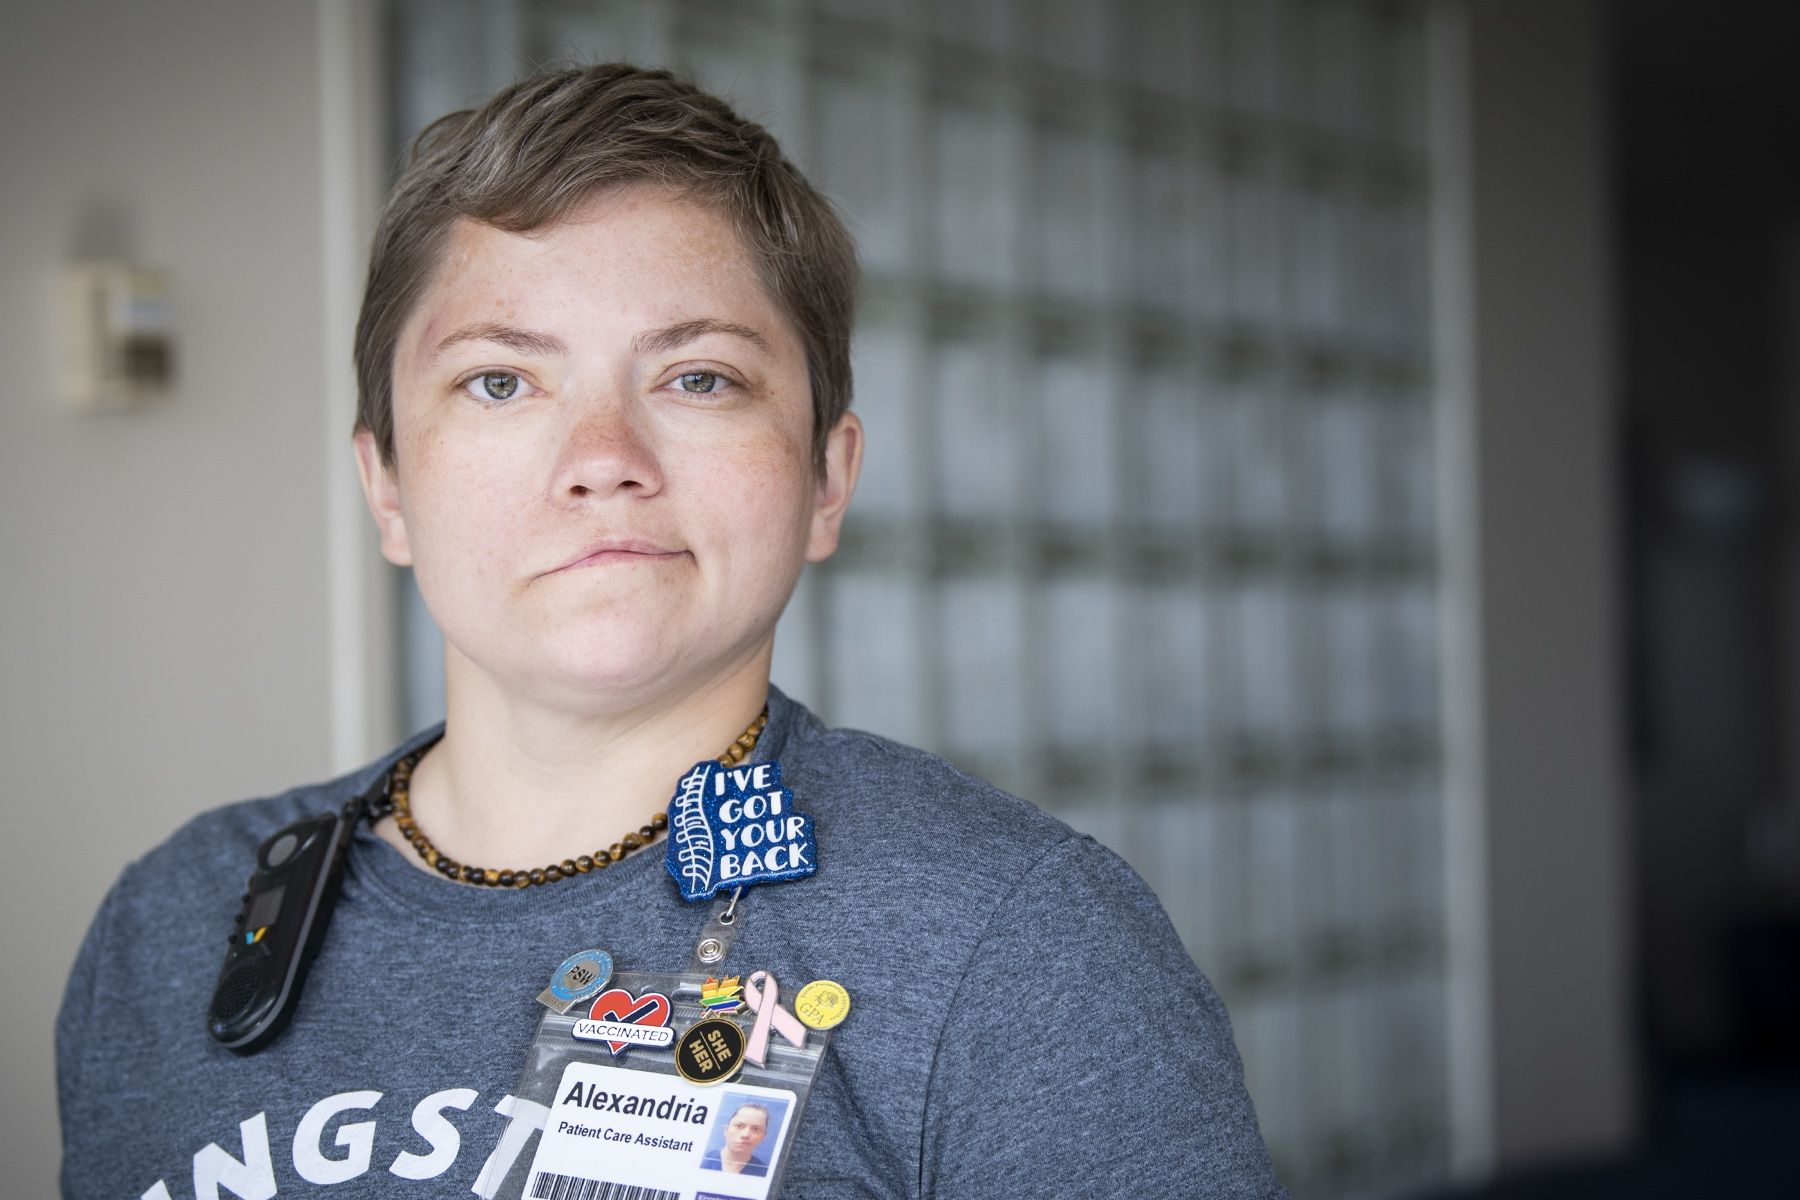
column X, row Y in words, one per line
column 1024, row 1021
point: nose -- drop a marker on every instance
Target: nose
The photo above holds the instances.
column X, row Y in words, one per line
column 606, row 452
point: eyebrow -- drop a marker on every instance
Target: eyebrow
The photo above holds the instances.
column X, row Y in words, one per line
column 525, row 341
column 659, row 341
column 651, row 341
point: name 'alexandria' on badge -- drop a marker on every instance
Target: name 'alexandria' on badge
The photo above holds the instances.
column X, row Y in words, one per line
column 730, row 827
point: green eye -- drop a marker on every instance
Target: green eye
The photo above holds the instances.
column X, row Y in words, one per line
column 498, row 385
column 700, row 381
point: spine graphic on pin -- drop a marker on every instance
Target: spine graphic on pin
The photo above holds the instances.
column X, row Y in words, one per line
column 690, row 834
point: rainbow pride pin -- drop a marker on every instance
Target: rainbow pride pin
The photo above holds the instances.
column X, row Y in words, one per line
column 722, row 996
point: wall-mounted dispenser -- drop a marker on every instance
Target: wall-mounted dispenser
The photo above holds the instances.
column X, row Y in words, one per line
column 117, row 333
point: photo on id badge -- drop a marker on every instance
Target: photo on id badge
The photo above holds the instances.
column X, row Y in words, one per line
column 745, row 1135
column 614, row 1131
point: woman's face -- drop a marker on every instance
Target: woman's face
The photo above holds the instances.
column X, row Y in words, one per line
column 603, row 471
column 745, row 1131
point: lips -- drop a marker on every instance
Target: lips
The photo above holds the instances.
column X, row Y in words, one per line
column 619, row 550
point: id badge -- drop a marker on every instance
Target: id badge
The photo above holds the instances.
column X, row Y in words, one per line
column 667, row 1087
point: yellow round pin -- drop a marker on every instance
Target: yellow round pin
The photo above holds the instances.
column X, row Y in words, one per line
column 822, row 1004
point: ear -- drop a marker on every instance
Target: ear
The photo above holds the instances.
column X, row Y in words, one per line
column 382, row 490
column 843, row 462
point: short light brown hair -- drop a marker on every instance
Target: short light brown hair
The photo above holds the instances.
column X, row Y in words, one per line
column 538, row 149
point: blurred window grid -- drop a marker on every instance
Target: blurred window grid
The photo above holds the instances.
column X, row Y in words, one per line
column 1145, row 531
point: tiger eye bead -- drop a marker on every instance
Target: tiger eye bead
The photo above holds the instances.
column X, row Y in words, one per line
column 397, row 802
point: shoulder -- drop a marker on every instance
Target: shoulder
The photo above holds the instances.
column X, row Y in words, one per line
column 888, row 809
column 919, row 847
column 224, row 839
column 164, row 918
column 180, row 888
column 988, row 899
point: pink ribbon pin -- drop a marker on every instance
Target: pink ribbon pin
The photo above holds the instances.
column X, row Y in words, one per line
column 763, row 996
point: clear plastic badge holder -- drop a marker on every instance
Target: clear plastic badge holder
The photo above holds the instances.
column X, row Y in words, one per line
column 629, row 1127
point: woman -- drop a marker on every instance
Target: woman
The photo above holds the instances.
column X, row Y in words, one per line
column 604, row 373
column 745, row 1130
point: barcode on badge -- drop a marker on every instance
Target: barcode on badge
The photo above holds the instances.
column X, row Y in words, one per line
column 550, row 1186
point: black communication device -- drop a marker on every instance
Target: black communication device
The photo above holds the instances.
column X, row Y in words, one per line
column 287, row 907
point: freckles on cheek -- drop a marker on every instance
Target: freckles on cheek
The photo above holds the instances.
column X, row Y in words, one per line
column 775, row 488
column 466, row 504
column 778, row 464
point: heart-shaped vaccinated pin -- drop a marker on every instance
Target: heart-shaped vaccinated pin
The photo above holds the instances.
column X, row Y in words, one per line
column 617, row 1004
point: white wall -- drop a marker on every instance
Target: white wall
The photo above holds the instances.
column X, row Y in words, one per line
column 168, row 626
column 1539, row 855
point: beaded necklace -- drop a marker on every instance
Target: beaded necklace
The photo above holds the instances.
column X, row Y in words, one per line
column 398, row 802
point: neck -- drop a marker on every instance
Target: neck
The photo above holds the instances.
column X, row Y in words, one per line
column 517, row 784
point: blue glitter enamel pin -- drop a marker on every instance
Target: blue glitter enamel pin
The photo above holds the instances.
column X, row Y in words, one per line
column 731, row 827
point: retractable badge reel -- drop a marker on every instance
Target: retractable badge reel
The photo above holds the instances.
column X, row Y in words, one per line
column 689, row 1085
